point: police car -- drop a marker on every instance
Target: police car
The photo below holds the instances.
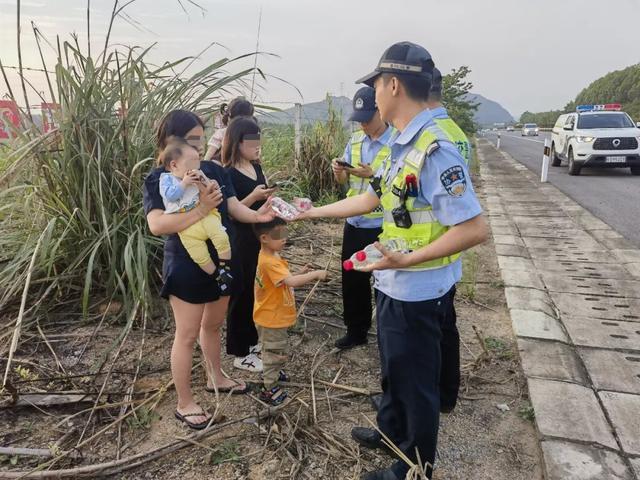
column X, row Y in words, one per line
column 601, row 136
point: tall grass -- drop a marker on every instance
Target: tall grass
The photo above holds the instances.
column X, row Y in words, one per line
column 321, row 142
column 79, row 189
column 320, row 145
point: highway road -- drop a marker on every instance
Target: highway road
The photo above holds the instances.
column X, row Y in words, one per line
column 613, row 195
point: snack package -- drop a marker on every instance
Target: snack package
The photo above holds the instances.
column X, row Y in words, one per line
column 302, row 204
column 283, row 209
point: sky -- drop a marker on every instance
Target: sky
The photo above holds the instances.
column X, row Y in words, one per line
column 526, row 55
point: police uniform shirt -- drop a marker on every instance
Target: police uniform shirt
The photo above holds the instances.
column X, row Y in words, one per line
column 450, row 207
column 370, row 148
column 441, row 113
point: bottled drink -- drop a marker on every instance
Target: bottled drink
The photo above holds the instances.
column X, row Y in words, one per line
column 283, row 209
column 371, row 254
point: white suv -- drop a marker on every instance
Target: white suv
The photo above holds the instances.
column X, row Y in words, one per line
column 530, row 130
column 596, row 136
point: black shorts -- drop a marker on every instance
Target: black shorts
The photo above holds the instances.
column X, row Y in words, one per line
column 183, row 278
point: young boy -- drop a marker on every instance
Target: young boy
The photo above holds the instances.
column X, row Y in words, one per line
column 180, row 192
column 274, row 308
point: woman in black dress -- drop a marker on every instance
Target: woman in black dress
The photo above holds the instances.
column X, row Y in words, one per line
column 198, row 307
column 240, row 156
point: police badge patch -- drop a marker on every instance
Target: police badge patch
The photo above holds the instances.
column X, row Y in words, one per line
column 454, row 181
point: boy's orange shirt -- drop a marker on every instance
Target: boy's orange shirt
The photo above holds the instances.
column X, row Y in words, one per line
column 275, row 305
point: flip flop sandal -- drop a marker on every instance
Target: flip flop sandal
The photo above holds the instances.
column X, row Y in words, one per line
column 194, row 426
column 234, row 390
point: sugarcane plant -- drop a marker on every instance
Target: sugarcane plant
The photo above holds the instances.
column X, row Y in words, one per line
column 73, row 229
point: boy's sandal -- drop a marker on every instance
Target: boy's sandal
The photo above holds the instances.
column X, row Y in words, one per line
column 194, row 426
column 275, row 396
column 237, row 389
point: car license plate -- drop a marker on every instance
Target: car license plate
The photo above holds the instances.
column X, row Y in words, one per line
column 615, row 160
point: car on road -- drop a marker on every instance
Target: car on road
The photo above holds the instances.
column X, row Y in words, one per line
column 601, row 136
column 510, row 128
column 530, row 130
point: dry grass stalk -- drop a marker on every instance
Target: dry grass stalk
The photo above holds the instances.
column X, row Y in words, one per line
column 108, row 375
column 18, row 327
column 131, row 388
column 127, row 463
column 416, row 470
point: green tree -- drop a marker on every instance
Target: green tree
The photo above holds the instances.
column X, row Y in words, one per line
column 542, row 119
column 455, row 94
column 621, row 86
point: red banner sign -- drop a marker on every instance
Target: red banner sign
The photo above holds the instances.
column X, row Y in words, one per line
column 9, row 119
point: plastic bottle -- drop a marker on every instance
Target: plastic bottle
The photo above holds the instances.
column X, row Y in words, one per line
column 283, row 209
column 370, row 254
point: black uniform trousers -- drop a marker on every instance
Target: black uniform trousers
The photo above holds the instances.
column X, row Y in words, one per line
column 356, row 286
column 409, row 336
column 450, row 352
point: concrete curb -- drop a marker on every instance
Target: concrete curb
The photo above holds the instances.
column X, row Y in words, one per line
column 573, row 292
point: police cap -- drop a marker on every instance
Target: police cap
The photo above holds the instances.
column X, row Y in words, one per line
column 404, row 58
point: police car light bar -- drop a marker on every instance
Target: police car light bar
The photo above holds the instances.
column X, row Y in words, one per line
column 611, row 107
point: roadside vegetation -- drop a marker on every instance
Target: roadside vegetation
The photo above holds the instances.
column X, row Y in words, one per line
column 621, row 86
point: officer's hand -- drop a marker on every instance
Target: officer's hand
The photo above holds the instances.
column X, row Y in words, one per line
column 362, row 171
column 390, row 261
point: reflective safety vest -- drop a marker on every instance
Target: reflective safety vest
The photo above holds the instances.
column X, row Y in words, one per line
column 359, row 185
column 425, row 228
column 456, row 136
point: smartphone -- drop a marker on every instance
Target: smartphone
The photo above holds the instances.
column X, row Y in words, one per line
column 273, row 185
column 344, row 164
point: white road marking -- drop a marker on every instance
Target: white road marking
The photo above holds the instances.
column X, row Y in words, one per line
column 522, row 138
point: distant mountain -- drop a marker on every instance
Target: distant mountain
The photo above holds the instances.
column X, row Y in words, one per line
column 489, row 111
column 311, row 112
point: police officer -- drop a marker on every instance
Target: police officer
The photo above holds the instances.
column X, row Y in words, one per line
column 429, row 202
column 441, row 118
column 365, row 153
column 450, row 343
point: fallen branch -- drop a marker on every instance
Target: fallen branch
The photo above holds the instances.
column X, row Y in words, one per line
column 32, row 452
column 47, row 400
column 314, row 367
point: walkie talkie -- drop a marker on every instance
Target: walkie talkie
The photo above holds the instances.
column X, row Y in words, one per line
column 401, row 216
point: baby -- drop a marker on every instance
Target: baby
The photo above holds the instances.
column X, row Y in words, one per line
column 179, row 190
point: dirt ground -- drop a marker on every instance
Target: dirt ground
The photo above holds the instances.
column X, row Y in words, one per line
column 490, row 435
